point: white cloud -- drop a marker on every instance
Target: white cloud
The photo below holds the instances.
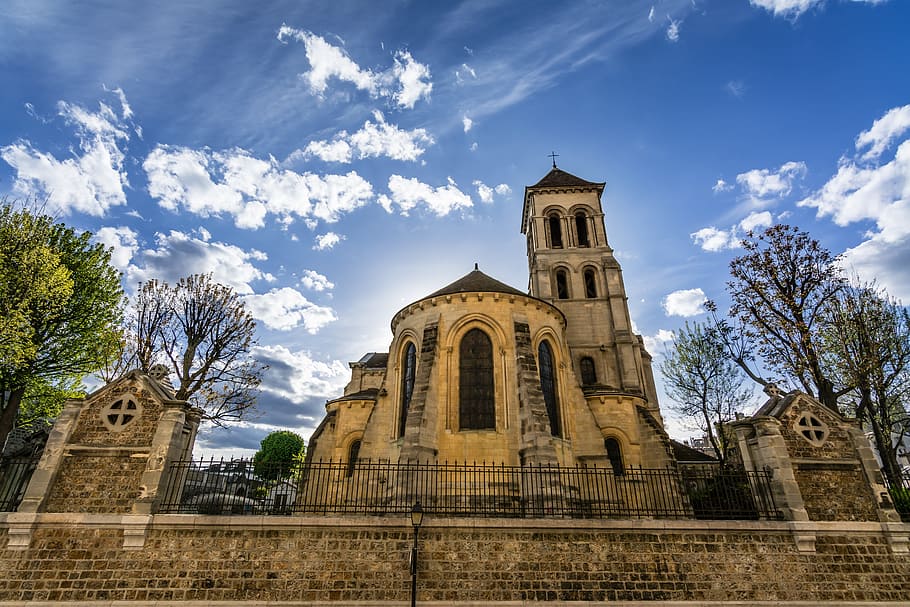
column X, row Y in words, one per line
column 408, row 194
column 792, row 9
column 316, row 281
column 651, row 14
column 687, row 302
column 297, row 376
column 286, row 308
column 371, row 141
column 406, row 82
column 327, row 241
column 869, row 189
column 721, row 186
column 485, row 192
column 755, row 220
column 656, row 343
column 673, row 30
column 763, row 185
column 473, row 147
column 209, row 183
column 466, row 123
column 177, row 254
column 123, row 242
column 413, row 78
column 884, row 132
column 91, row 181
column 713, row 239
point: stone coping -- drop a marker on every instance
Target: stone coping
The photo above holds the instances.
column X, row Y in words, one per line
column 198, row 521
column 247, row 603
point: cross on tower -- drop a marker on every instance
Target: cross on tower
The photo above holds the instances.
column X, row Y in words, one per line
column 553, row 155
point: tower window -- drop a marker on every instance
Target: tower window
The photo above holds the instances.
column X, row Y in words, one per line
column 588, row 374
column 581, row 228
column 562, row 284
column 476, row 401
column 353, row 456
column 555, row 231
column 614, row 453
column 548, row 386
column 590, row 283
column 407, row 384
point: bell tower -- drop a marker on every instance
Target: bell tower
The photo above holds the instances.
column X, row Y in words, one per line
column 571, row 266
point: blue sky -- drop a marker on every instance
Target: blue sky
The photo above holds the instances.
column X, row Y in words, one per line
column 336, row 161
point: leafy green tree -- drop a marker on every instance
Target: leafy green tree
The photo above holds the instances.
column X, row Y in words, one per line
column 781, row 288
column 278, row 454
column 203, row 332
column 705, row 385
column 60, row 306
column 867, row 342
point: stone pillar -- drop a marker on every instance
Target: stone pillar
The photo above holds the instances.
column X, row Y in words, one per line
column 419, row 443
column 763, row 448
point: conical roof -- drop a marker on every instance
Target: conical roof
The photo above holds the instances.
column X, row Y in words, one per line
column 476, row 281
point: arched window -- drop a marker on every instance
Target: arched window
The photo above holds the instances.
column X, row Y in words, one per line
column 562, row 284
column 476, row 402
column 407, row 384
column 614, row 453
column 590, row 283
column 554, row 222
column 548, row 386
column 353, row 456
column 588, row 374
column 581, row 228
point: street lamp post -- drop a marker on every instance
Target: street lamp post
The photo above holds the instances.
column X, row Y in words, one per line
column 416, row 519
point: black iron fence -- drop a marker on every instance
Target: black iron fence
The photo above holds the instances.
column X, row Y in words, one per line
column 475, row 490
column 15, row 472
column 900, row 496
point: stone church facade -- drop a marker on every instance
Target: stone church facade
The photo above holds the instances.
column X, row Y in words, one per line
column 481, row 371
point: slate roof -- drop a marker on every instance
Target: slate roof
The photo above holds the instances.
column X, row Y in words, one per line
column 374, row 360
column 684, row 453
column 476, row 281
column 557, row 178
column 368, row 394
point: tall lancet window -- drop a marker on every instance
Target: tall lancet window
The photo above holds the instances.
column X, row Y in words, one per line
column 548, row 386
column 581, row 229
column 590, row 283
column 476, row 400
column 554, row 222
column 614, row 454
column 407, row 384
column 562, row 284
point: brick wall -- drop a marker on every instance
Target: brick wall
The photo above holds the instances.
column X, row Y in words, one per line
column 365, row 559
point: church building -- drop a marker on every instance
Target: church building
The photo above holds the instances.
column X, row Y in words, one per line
column 482, row 371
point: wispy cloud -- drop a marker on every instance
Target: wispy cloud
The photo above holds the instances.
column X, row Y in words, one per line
column 792, row 9
column 286, row 308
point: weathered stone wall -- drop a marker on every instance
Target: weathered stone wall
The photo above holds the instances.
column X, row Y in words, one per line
column 91, row 431
column 313, row 560
column 835, row 494
column 107, row 483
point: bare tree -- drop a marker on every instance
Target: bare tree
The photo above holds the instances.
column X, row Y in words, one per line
column 203, row 332
column 705, row 385
column 868, row 343
column 780, row 289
